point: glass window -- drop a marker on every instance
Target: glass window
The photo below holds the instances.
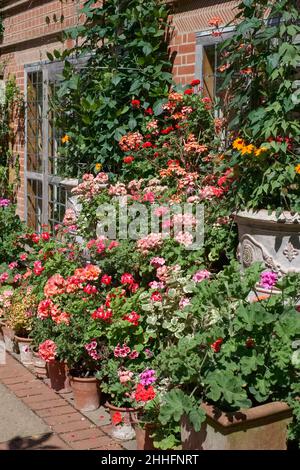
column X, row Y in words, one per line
column 34, row 121
column 34, row 204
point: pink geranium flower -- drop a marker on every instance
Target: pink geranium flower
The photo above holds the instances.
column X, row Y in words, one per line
column 47, row 350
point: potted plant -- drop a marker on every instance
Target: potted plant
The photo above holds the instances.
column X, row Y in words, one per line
column 5, row 303
column 239, row 388
column 19, row 319
column 259, row 68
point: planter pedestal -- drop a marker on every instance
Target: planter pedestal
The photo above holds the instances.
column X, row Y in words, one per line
column 260, row 428
column 86, row 393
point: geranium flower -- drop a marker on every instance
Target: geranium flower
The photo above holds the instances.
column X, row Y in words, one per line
column 199, row 276
column 195, row 82
column 102, row 313
column 123, row 351
column 215, row 21
column 149, row 111
column 147, row 145
column 47, row 350
column 45, row 236
column 23, row 256
column 148, row 377
column 156, row 297
column 144, row 394
column 135, row 103
column 117, row 418
column 90, row 289
column 133, row 318
column 106, row 280
column 38, row 268
column 128, row 159
column 216, row 346
column 134, row 354
column 188, row 91
column 268, row 279
column 54, row 286
column 127, row 278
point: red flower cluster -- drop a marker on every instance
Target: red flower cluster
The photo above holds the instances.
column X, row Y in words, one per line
column 128, row 159
column 188, row 91
column 144, row 393
column 90, row 289
column 135, row 103
column 167, row 130
column 216, row 346
column 117, row 418
column 102, row 313
column 133, row 318
column 147, row 145
column 195, row 82
column 106, row 280
column 281, row 139
column 149, row 111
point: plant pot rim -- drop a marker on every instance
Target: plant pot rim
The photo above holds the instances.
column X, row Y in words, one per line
column 22, row 339
column 263, row 216
column 118, row 408
column 227, row 419
column 83, row 379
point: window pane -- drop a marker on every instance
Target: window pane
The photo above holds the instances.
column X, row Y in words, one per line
column 34, row 204
column 34, row 121
column 57, row 204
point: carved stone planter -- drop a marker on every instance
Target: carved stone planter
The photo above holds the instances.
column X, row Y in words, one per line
column 275, row 241
column 263, row 427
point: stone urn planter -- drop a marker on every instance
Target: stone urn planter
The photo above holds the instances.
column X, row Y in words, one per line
column 272, row 240
column 24, row 349
column 86, row 392
column 122, row 420
column 59, row 378
column 262, row 427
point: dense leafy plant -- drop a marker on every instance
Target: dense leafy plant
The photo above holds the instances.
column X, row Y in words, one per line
column 125, row 74
column 22, row 310
column 262, row 104
column 241, row 353
column 11, row 111
column 11, row 229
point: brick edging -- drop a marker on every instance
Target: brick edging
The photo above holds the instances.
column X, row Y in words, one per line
column 70, row 429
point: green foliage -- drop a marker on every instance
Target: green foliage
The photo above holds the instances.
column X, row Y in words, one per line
column 240, row 353
column 11, row 228
column 11, row 110
column 262, row 103
column 126, row 58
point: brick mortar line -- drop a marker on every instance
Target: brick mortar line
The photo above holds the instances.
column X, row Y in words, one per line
column 59, row 435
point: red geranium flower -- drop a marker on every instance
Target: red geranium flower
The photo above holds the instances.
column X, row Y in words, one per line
column 156, row 297
column 188, row 91
column 128, row 159
column 135, row 103
column 127, row 278
column 216, row 346
column 117, row 418
column 144, row 394
column 45, row 236
column 35, row 238
column 195, row 82
column 105, row 279
column 146, row 145
column 149, row 111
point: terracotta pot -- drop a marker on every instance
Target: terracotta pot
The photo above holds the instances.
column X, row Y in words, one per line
column 8, row 337
column 124, row 430
column 59, row 378
column 262, row 427
column 40, row 366
column 24, row 348
column 142, row 435
column 86, row 393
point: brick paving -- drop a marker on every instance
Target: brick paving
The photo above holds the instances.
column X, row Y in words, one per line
column 68, row 428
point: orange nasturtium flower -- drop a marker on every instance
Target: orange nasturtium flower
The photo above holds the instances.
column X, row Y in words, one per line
column 65, row 139
column 297, row 168
column 98, row 166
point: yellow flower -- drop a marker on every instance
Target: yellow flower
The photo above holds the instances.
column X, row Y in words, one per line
column 248, row 149
column 98, row 166
column 260, row 150
column 65, row 139
column 238, row 144
column 297, row 169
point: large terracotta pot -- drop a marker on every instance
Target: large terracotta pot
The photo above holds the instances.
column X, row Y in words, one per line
column 40, row 366
column 262, row 427
column 24, row 349
column 8, row 337
column 272, row 240
column 86, row 392
column 144, row 441
column 123, row 430
column 59, row 378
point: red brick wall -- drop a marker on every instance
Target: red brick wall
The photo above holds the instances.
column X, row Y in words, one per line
column 28, row 37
